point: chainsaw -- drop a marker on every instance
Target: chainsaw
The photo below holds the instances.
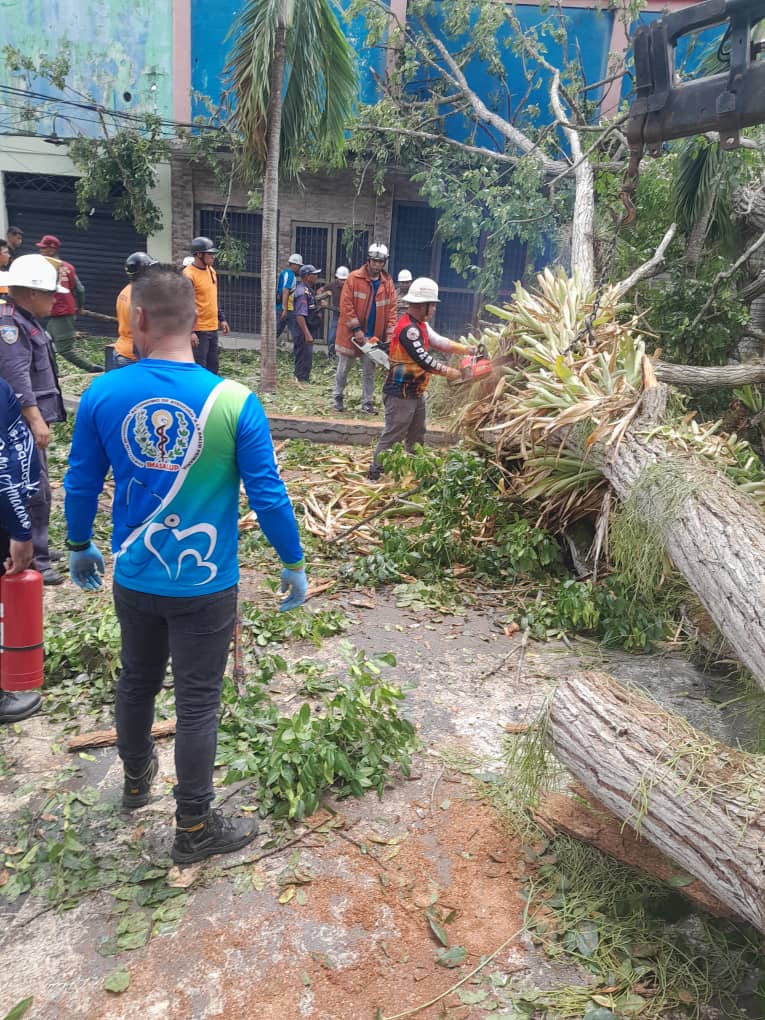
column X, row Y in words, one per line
column 373, row 349
column 476, row 366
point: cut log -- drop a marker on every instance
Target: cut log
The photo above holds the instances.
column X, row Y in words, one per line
column 584, row 818
column 716, row 537
column 699, row 802
column 105, row 738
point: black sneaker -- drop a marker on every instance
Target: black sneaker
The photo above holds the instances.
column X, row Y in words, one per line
column 137, row 789
column 374, row 474
column 369, row 409
column 55, row 555
column 51, row 576
column 18, row 705
column 213, row 833
column 339, row 405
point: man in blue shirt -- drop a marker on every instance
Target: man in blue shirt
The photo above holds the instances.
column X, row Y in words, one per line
column 178, row 440
column 285, row 288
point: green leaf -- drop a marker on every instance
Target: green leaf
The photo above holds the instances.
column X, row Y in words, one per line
column 118, row 981
column 451, row 957
column 471, row 998
column 133, row 940
column 587, row 938
column 20, row 1009
column 437, row 928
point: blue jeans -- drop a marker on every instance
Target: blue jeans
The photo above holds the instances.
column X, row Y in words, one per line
column 196, row 632
column 331, row 337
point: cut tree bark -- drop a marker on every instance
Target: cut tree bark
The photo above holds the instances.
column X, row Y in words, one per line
column 584, row 818
column 715, row 535
column 700, row 802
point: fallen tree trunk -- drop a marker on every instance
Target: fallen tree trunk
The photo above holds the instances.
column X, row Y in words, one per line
column 700, row 802
column 715, row 535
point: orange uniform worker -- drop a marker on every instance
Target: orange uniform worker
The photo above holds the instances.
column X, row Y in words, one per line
column 135, row 264
column 210, row 318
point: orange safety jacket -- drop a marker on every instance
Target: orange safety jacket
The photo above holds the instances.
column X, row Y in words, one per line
column 355, row 305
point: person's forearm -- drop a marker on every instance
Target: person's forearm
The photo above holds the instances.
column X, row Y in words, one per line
column 279, row 526
column 80, row 510
column 301, row 321
column 32, row 414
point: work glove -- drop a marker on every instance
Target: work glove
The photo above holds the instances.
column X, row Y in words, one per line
column 86, row 568
column 296, row 583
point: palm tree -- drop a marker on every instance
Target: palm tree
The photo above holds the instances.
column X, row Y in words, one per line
column 293, row 78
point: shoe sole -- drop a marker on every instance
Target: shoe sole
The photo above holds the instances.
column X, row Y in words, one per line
column 201, row 855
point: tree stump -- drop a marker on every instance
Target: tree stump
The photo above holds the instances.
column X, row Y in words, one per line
column 700, row 802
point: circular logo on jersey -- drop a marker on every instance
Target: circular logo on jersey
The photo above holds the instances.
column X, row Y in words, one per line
column 162, row 434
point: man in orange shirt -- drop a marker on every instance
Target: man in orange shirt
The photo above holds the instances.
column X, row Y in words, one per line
column 209, row 316
column 135, row 264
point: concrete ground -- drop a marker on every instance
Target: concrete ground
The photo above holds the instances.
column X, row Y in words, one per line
column 352, row 941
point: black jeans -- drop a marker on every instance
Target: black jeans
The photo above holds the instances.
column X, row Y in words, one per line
column 196, row 632
column 207, row 352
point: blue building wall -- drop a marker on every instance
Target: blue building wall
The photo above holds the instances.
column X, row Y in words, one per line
column 129, row 71
column 210, row 46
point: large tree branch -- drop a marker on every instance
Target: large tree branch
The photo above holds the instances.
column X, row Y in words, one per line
column 710, row 376
column 648, row 268
column 429, row 136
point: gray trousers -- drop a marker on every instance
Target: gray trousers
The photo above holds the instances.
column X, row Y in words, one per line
column 39, row 512
column 367, row 378
column 404, row 423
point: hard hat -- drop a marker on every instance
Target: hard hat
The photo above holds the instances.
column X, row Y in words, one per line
column 377, row 251
column 295, row 260
column 35, row 272
column 137, row 262
column 342, row 272
column 203, row 246
column 423, row 291
column 404, row 276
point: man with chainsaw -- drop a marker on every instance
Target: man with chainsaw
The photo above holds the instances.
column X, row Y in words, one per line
column 411, row 366
column 367, row 310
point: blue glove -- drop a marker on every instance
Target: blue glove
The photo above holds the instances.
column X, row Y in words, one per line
column 296, row 583
column 86, row 568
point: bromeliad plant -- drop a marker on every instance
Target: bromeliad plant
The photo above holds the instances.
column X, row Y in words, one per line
column 568, row 368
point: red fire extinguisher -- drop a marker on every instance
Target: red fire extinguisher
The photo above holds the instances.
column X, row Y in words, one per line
column 21, row 631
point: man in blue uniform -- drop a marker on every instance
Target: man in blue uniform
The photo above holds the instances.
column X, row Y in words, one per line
column 19, row 479
column 27, row 362
column 178, row 440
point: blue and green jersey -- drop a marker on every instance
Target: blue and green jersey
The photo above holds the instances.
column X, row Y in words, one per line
column 178, row 440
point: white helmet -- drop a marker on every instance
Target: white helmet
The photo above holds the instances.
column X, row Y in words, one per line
column 295, row 260
column 342, row 272
column 404, row 276
column 35, row 272
column 377, row 251
column 422, row 291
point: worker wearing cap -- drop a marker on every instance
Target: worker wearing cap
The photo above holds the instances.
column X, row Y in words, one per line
column 367, row 309
column 135, row 264
column 210, row 318
column 306, row 324
column 411, row 366
column 285, row 294
column 60, row 322
column 28, row 363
